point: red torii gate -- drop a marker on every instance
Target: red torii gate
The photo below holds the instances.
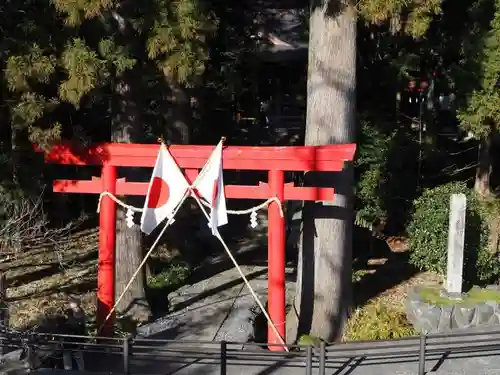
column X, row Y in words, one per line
column 275, row 159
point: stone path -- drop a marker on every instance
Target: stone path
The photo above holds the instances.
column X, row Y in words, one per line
column 464, row 366
column 471, row 364
column 460, row 364
column 215, row 309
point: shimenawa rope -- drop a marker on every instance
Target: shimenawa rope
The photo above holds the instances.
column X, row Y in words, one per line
column 203, row 202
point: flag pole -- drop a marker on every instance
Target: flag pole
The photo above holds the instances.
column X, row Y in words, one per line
column 242, row 274
column 144, row 260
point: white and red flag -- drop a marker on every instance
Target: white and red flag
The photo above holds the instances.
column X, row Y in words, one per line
column 165, row 192
column 210, row 186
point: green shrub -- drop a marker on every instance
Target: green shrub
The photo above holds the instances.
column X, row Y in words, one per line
column 428, row 234
column 377, row 321
column 370, row 163
column 171, row 277
column 385, row 186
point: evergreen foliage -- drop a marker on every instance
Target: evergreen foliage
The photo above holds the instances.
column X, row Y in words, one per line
column 87, row 54
column 371, row 162
column 418, row 14
column 481, row 115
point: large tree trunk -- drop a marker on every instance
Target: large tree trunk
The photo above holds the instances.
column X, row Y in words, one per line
column 128, row 240
column 324, row 270
column 179, row 114
column 484, row 168
column 128, row 254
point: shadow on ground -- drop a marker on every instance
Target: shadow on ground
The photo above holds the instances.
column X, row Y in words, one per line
column 379, row 267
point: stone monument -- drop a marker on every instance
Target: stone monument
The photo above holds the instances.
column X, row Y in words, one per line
column 456, row 238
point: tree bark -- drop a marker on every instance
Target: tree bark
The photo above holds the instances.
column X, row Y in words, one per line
column 179, row 114
column 323, row 288
column 484, row 168
column 128, row 240
column 128, row 253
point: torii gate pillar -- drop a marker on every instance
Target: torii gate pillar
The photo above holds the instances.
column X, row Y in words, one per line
column 106, row 258
column 276, row 294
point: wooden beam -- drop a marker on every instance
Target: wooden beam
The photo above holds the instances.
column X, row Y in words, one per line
column 288, row 158
column 260, row 191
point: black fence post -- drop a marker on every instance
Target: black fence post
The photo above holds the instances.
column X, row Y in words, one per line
column 223, row 358
column 127, row 351
column 322, row 358
column 421, row 357
column 309, row 364
column 4, row 311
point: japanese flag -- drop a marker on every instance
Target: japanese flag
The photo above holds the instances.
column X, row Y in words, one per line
column 210, row 185
column 165, row 192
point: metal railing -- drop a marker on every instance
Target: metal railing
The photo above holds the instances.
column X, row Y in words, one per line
column 225, row 354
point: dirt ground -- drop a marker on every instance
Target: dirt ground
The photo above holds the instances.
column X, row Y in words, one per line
column 42, row 278
column 385, row 275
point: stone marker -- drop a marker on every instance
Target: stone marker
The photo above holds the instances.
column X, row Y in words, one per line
column 456, row 235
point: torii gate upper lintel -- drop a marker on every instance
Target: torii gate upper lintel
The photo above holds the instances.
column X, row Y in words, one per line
column 275, row 159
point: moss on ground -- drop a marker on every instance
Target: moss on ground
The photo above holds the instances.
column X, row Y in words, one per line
column 432, row 295
column 377, row 321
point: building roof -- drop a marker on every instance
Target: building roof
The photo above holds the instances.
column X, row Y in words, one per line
column 283, row 33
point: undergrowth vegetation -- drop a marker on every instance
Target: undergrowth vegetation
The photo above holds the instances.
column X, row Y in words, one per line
column 386, row 175
column 170, row 277
column 377, row 321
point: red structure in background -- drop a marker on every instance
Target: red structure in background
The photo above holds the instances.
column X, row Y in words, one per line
column 276, row 160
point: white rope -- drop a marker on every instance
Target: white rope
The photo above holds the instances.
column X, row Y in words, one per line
column 118, row 201
column 203, row 202
column 134, row 275
column 247, row 283
column 251, row 209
